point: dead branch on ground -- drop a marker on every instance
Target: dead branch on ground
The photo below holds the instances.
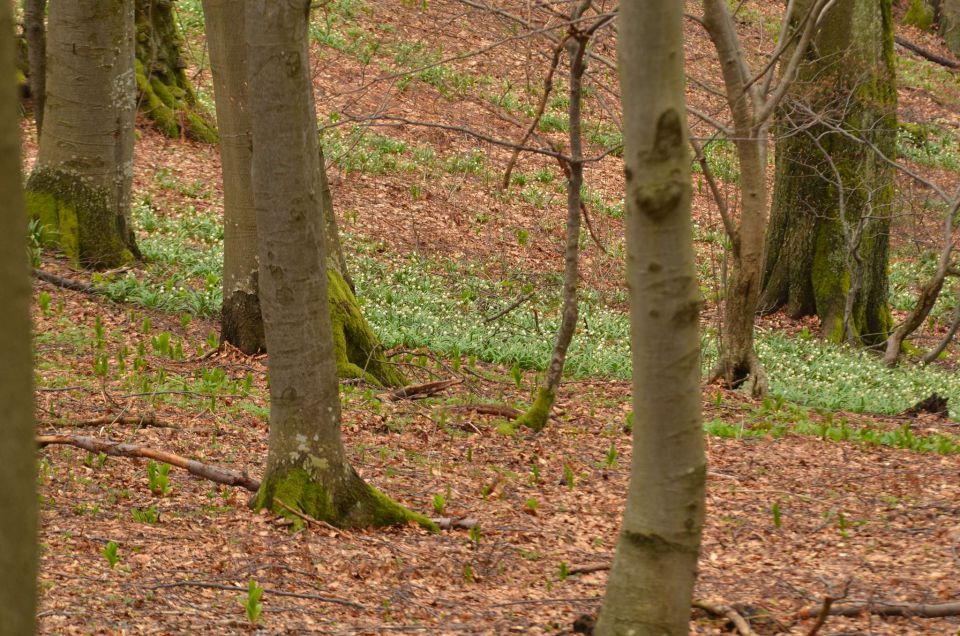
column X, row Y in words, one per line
column 237, row 588
column 420, row 391
column 883, row 608
column 727, row 612
column 122, row 449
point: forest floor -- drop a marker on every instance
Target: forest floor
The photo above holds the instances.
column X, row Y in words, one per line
column 822, row 487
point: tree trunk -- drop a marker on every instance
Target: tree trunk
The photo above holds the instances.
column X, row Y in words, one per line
column 359, row 353
column 166, row 95
column 307, row 469
column 241, row 323
column 80, row 185
column 817, row 255
column 738, row 363
column 18, row 497
column 539, row 412
column 950, row 24
column 651, row 580
column 35, row 31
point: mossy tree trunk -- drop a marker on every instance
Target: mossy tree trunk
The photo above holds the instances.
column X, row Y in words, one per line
column 166, row 95
column 241, row 322
column 539, row 412
column 828, row 242
column 80, row 186
column 307, row 469
column 359, row 353
column 654, row 568
column 18, row 496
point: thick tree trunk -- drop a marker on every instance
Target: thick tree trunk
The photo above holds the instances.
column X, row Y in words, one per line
column 651, row 581
column 80, row 186
column 241, row 323
column 307, row 469
column 35, row 31
column 166, row 95
column 359, row 353
column 539, row 412
column 818, row 261
column 18, row 496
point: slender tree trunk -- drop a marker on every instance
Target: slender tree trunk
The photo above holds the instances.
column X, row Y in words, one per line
column 651, row 581
column 166, row 94
column 241, row 323
column 738, row 363
column 18, row 497
column 539, row 412
column 808, row 268
column 81, row 183
column 307, row 469
column 34, row 26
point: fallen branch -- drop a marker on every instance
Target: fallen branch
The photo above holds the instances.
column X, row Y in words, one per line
column 588, row 569
column 924, row 53
column 828, row 602
column 727, row 612
column 121, row 449
column 487, row 409
column 65, row 283
column 881, row 608
column 266, row 590
column 420, row 391
column 446, row 523
column 145, row 420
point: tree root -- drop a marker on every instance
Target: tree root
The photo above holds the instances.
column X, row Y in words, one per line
column 727, row 612
column 121, row 449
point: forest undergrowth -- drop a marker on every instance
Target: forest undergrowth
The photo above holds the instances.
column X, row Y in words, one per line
column 825, row 483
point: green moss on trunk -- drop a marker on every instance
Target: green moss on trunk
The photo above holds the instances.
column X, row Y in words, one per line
column 166, row 96
column 358, row 351
column 79, row 220
column 349, row 502
column 536, row 417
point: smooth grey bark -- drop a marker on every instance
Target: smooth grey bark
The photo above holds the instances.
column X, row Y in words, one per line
column 241, row 323
column 18, row 496
column 35, row 32
column 307, row 469
column 80, row 187
column 650, row 586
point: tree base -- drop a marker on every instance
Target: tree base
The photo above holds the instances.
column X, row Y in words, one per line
column 351, row 503
column 359, row 353
column 78, row 219
column 535, row 417
column 241, row 323
column 747, row 375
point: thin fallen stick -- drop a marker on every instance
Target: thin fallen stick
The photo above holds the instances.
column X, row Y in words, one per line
column 121, row 449
column 266, row 590
column 419, row 391
column 509, row 308
column 727, row 612
column 924, row 53
column 881, row 608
